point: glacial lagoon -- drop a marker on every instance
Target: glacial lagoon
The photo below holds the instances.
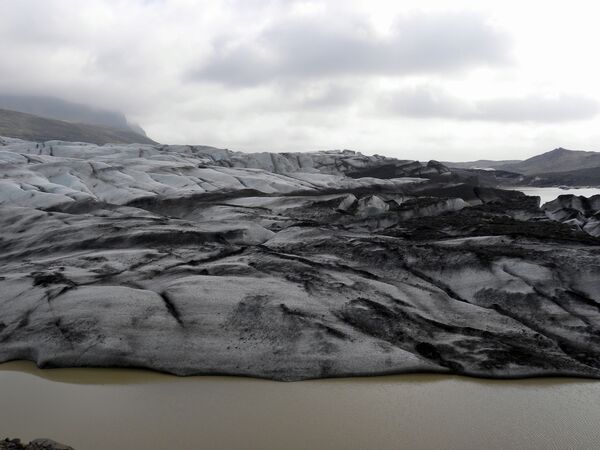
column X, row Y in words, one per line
column 122, row 408
column 547, row 194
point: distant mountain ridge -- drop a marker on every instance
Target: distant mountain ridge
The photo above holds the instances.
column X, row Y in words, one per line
column 34, row 128
column 554, row 168
column 58, row 109
column 575, row 178
column 557, row 160
column 554, row 161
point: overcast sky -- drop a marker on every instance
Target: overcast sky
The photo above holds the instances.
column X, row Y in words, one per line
column 422, row 79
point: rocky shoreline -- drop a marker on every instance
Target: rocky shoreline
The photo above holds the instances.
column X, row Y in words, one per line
column 194, row 260
column 36, row 444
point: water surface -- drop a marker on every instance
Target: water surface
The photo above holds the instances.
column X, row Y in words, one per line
column 550, row 193
column 131, row 409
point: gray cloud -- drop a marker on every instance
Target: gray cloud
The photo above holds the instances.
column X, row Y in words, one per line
column 319, row 47
column 428, row 102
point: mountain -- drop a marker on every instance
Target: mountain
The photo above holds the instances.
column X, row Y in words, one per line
column 30, row 127
column 573, row 178
column 557, row 160
column 58, row 109
column 554, row 168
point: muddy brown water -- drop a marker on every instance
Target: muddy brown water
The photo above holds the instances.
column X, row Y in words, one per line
column 135, row 409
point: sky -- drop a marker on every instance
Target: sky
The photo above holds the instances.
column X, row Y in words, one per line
column 426, row 79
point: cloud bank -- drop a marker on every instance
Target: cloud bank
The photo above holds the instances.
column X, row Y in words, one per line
column 412, row 80
column 427, row 102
